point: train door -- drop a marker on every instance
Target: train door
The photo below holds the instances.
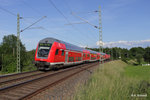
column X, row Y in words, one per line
column 66, row 57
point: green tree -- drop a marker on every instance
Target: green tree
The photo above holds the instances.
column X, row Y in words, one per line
column 136, row 50
column 8, row 49
column 147, row 55
column 139, row 58
column 29, row 64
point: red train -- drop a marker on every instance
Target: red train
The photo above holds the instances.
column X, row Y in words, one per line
column 52, row 52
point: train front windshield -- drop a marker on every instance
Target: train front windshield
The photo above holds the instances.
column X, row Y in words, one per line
column 44, row 49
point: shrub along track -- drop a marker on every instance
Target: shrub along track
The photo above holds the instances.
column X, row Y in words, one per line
column 32, row 87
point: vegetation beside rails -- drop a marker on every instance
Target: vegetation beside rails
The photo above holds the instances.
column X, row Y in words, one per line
column 117, row 80
column 138, row 72
column 8, row 56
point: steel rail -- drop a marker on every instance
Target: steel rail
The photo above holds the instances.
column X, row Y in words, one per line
column 20, row 78
column 22, row 83
column 26, row 83
column 26, row 97
column 3, row 76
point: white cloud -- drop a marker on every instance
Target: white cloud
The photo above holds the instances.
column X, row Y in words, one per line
column 82, row 46
column 100, row 43
column 126, row 44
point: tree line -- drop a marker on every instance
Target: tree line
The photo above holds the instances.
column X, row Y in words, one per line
column 136, row 55
column 8, row 55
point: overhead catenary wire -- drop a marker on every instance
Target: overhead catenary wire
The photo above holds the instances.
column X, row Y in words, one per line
column 41, row 27
column 78, row 12
column 77, row 23
column 61, row 35
column 59, row 10
column 33, row 24
column 62, row 14
column 13, row 14
column 88, row 12
column 84, row 20
column 47, row 30
column 67, row 19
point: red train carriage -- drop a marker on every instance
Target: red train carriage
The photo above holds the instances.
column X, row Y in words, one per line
column 93, row 56
column 86, row 55
column 98, row 56
column 52, row 52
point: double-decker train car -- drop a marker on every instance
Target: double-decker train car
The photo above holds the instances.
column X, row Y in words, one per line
column 51, row 52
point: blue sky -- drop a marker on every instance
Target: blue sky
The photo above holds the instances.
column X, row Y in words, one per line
column 125, row 22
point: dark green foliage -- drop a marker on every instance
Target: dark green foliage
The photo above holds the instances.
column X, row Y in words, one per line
column 29, row 64
column 139, row 58
column 147, row 54
column 135, row 53
column 8, row 54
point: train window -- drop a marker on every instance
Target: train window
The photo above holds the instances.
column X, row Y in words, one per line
column 62, row 53
column 71, row 59
column 76, row 58
column 56, row 53
column 79, row 58
column 93, row 58
column 43, row 49
column 88, row 55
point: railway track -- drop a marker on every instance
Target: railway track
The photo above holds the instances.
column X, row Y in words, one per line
column 17, row 75
column 29, row 88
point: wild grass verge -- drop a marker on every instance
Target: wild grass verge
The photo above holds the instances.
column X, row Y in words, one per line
column 110, row 82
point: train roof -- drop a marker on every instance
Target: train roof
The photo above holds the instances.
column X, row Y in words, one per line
column 102, row 53
column 94, row 52
column 68, row 45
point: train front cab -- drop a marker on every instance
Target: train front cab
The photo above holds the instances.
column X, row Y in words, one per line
column 48, row 55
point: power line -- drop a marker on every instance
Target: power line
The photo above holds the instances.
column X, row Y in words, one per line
column 35, row 10
column 34, row 23
column 8, row 11
column 40, row 13
column 84, row 20
column 62, row 14
column 72, row 23
column 76, row 23
column 66, row 18
column 78, row 12
column 61, row 35
column 90, row 12
column 59, row 10
column 45, row 29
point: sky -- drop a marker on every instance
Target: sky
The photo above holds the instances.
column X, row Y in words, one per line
column 125, row 23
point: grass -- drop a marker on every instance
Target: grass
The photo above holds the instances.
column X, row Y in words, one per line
column 138, row 72
column 116, row 81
